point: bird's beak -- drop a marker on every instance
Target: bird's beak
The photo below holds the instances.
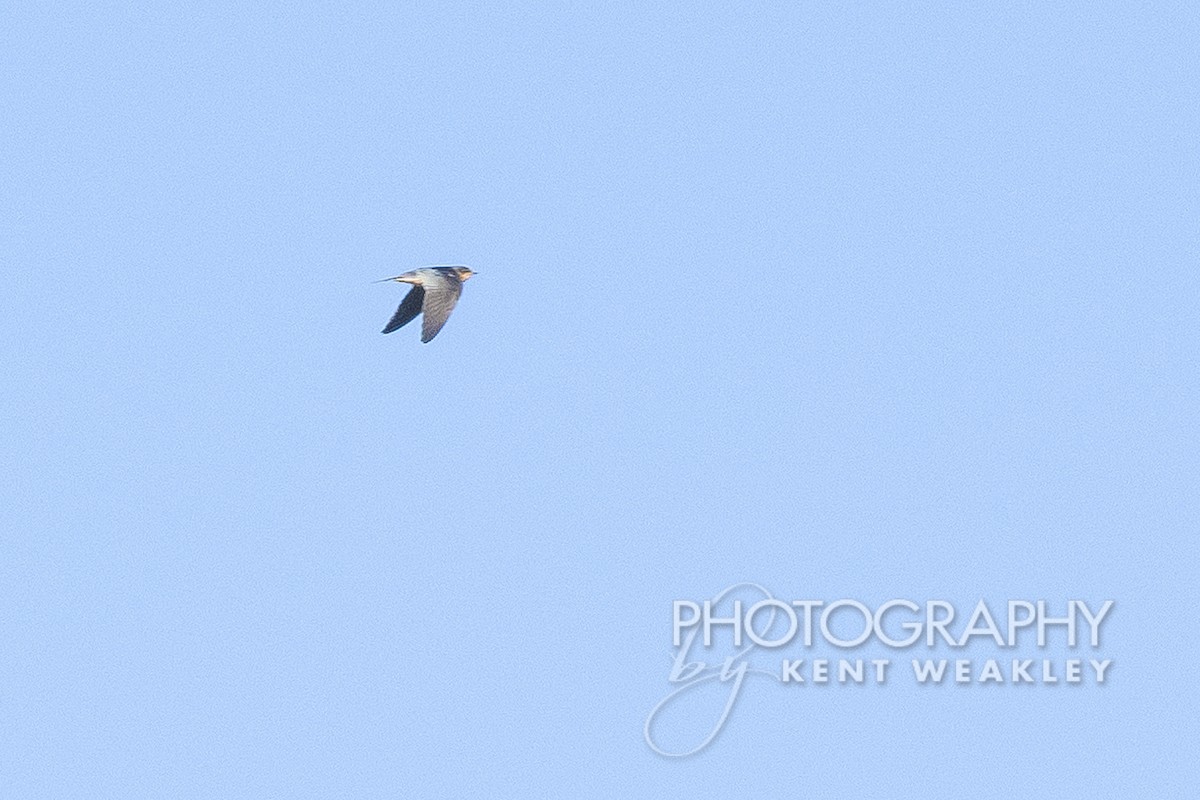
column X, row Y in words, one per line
column 385, row 280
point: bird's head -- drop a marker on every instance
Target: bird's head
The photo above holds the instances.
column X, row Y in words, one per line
column 464, row 272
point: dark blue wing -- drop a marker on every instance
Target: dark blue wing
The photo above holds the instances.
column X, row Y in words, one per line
column 408, row 310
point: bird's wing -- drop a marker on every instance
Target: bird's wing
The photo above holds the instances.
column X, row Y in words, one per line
column 408, row 310
column 441, row 293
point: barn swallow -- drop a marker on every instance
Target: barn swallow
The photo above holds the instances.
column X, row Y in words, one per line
column 435, row 291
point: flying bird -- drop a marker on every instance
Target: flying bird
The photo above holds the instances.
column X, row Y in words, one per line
column 435, row 291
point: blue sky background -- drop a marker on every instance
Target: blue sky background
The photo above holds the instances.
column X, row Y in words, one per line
column 880, row 301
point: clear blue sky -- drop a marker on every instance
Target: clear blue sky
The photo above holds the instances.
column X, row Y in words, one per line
column 874, row 301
